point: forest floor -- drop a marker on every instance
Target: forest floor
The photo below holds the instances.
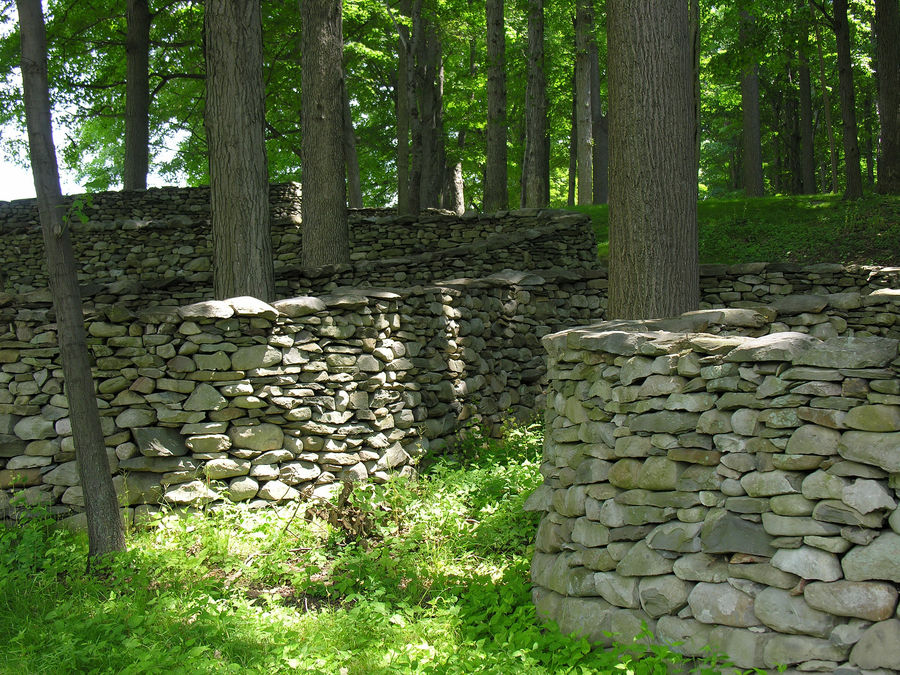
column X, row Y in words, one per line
column 806, row 229
column 423, row 576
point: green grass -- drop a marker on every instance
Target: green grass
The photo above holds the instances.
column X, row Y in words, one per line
column 429, row 576
column 806, row 229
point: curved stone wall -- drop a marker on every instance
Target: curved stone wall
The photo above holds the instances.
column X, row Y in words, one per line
column 727, row 485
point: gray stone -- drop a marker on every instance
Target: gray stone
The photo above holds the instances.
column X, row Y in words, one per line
column 822, row 485
column 642, row 561
column 249, row 306
column 785, row 650
column 676, row 536
column 207, row 443
column 217, row 469
column 742, row 647
column 293, row 473
column 808, row 563
column 879, row 646
column 158, row 464
column 879, row 449
column 878, row 560
column 205, row 397
column 763, row 573
column 194, row 492
column 276, row 491
column 791, row 505
column 255, row 356
column 788, row 305
column 135, row 417
column 872, row 601
column 589, row 533
column 583, row 617
column 34, row 428
column 665, row 421
column 299, row 306
column 874, row 418
column 242, row 488
column 139, row 487
column 797, row 526
column 260, row 437
column 684, row 636
column 812, row 439
column 774, row 347
column 722, row 604
column 701, row 567
column 724, row 532
column 786, row 613
column 210, row 309
column 769, row 483
column 160, row 442
column 65, row 474
column 616, row 589
column 848, row 634
column 662, row 595
column 834, row 511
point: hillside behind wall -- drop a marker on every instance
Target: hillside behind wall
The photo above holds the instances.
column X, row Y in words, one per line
column 729, row 483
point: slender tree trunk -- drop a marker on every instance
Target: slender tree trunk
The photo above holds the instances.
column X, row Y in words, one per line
column 584, row 23
column 654, row 269
column 235, row 130
column 104, row 522
column 326, row 236
column 753, row 176
column 416, row 41
column 868, row 149
column 852, row 172
column 573, row 147
column 428, row 157
column 826, row 103
column 536, row 167
column 600, row 149
column 887, row 49
column 496, row 195
column 807, row 151
column 403, row 114
column 137, row 95
column 351, row 158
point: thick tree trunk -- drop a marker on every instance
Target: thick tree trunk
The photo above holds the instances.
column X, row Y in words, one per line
column 351, row 158
column 807, row 151
column 536, row 167
column 584, row 24
column 887, row 46
column 573, row 147
column 137, row 95
column 403, row 99
column 868, row 144
column 852, row 172
column 326, row 236
column 454, row 190
column 599, row 124
column 426, row 114
column 414, row 63
column 753, row 176
column 235, row 130
column 826, row 104
column 654, row 269
column 104, row 522
column 496, row 195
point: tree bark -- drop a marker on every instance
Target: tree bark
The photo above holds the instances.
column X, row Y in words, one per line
column 807, row 151
column 536, row 167
column 496, row 194
column 104, row 522
column 584, row 23
column 326, row 235
column 654, row 269
column 416, row 153
column 573, row 147
column 753, row 176
column 235, row 129
column 426, row 114
column 887, row 50
column 137, row 95
column 403, row 99
column 826, row 103
column 351, row 158
column 852, row 171
column 599, row 127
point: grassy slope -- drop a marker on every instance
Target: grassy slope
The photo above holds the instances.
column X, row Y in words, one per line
column 809, row 229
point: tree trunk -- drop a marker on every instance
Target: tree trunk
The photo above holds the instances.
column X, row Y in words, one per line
column 536, row 167
column 584, row 23
column 235, row 130
column 137, row 95
column 351, row 158
column 887, row 49
column 104, row 522
column 826, row 103
column 807, row 151
column 753, row 176
column 454, row 190
column 573, row 147
column 496, row 195
column 600, row 149
column 852, row 172
column 326, row 236
column 653, row 267
column 403, row 111
column 868, row 149
column 416, row 41
column 426, row 114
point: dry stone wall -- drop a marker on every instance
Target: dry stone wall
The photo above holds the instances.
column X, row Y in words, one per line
column 729, row 483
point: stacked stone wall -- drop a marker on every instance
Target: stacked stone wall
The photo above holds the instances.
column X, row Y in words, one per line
column 728, row 483
column 249, row 401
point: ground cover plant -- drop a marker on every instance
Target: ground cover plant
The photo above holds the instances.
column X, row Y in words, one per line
column 801, row 229
column 423, row 576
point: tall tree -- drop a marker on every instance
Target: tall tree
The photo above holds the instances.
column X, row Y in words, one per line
column 235, row 129
column 326, row 237
column 599, row 132
column 351, row 157
column 753, row 175
column 584, row 23
column 536, row 167
column 808, row 158
column 826, row 104
column 840, row 24
column 137, row 95
column 104, row 522
column 653, row 267
column 496, row 196
column 887, row 45
column 403, row 113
